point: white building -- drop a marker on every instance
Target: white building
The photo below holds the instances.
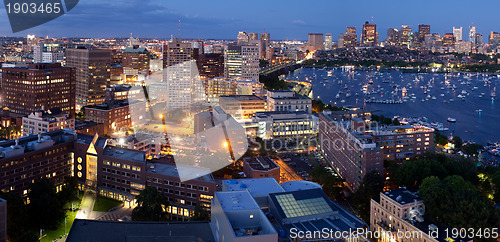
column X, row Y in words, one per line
column 183, row 85
column 285, row 124
column 45, row 121
column 458, row 33
column 285, row 100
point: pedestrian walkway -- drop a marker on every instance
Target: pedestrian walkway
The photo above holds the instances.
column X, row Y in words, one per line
column 87, row 206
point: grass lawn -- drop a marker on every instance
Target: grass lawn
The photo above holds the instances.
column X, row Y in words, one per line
column 104, row 204
column 70, row 217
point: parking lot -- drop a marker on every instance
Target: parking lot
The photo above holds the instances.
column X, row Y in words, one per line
column 302, row 163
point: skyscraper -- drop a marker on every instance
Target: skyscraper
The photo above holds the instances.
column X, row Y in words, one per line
column 242, row 38
column 448, row 40
column 265, row 41
column 369, row 36
column 392, row 36
column 350, row 37
column 136, row 58
column 315, row 41
column 253, row 36
column 404, row 35
column 328, row 41
column 458, row 33
column 37, row 87
column 176, row 52
column 423, row 30
column 494, row 39
column 242, row 61
column 183, row 85
column 92, row 74
column 472, row 35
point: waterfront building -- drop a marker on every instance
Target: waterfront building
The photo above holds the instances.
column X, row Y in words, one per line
column 92, row 74
column 258, row 167
column 242, row 61
column 39, row 86
column 242, row 106
column 353, row 151
column 286, row 100
column 46, row 121
column 369, row 36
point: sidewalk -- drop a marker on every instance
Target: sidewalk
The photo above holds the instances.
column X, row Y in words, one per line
column 86, row 207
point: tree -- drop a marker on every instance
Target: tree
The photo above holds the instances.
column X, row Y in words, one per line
column 441, row 139
column 457, row 141
column 370, row 187
column 69, row 190
column 151, row 206
column 472, row 149
column 17, row 216
column 333, row 186
column 200, row 214
column 45, row 208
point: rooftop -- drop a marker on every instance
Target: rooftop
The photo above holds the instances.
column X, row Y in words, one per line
column 241, row 97
column 125, row 154
column 258, row 187
column 112, row 104
column 97, row 230
column 403, row 196
column 291, row 186
column 181, row 171
column 236, row 200
column 261, row 163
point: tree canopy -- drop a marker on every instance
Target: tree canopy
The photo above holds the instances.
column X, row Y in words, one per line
column 151, row 206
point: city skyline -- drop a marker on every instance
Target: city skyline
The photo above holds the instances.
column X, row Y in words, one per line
column 290, row 20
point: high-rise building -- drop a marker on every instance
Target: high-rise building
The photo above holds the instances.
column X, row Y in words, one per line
column 37, row 87
column 458, row 33
column 183, row 85
column 136, row 58
column 472, row 35
column 49, row 53
column 392, row 36
column 369, row 36
column 176, row 51
column 494, row 39
column 350, row 37
column 448, row 40
column 328, row 41
column 315, row 42
column 265, row 41
column 404, row 35
column 92, row 74
column 423, row 30
column 242, row 38
column 253, row 36
column 210, row 65
column 242, row 61
column 340, row 41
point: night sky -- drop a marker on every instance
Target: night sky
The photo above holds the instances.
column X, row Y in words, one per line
column 222, row 19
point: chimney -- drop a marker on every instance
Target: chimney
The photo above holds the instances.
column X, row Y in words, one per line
column 39, row 137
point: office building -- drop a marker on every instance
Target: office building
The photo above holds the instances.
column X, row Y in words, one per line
column 369, row 36
column 219, row 86
column 494, row 39
column 472, row 35
column 242, row 61
column 176, row 52
column 123, row 92
column 242, row 106
column 405, row 36
column 448, row 40
column 29, row 158
column 285, row 124
column 116, row 115
column 315, row 42
column 286, row 100
column 360, row 150
column 458, row 33
column 89, row 127
column 92, row 74
column 210, row 65
column 265, row 39
column 401, row 211
column 136, row 58
column 423, row 30
column 463, row 46
column 39, row 86
column 46, row 121
column 350, row 37
column 183, row 85
column 49, row 52
column 392, row 36
column 328, row 41
column 258, row 167
column 3, row 220
column 253, row 36
column 242, row 38
column 249, row 87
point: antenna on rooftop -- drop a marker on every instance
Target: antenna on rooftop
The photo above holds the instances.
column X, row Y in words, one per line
column 179, row 29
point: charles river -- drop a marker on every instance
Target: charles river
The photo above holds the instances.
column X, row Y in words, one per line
column 470, row 99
